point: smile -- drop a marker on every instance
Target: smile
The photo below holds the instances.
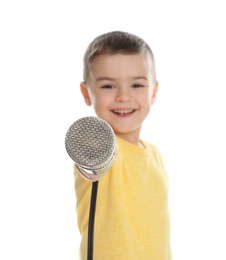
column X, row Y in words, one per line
column 123, row 112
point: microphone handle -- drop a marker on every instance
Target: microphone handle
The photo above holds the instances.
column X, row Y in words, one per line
column 92, row 220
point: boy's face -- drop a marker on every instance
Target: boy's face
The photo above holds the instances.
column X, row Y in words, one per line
column 121, row 90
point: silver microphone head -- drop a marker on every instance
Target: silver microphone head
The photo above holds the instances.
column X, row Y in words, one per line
column 90, row 142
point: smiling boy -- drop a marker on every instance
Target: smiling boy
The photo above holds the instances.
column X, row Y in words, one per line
column 132, row 218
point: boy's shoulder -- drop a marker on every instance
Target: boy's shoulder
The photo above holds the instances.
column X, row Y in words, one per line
column 153, row 149
column 150, row 146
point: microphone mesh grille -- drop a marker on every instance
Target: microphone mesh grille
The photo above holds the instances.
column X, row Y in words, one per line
column 90, row 141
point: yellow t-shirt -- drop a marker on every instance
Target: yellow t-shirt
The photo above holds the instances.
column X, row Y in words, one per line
column 132, row 218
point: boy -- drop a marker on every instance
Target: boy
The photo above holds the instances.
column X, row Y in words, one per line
column 132, row 219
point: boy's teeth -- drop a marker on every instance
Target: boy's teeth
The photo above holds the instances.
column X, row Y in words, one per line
column 123, row 111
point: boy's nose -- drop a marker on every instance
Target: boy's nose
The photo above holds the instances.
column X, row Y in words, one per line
column 123, row 95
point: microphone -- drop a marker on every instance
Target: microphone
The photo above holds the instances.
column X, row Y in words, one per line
column 90, row 142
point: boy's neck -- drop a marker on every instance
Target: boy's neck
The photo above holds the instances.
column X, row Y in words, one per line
column 131, row 138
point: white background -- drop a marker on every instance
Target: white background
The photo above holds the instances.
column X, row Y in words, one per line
column 42, row 45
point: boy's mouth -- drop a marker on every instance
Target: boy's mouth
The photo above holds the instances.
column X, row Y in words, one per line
column 123, row 111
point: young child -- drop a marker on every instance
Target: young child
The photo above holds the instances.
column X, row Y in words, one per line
column 132, row 218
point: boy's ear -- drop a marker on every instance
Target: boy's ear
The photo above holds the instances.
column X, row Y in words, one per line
column 85, row 93
column 154, row 93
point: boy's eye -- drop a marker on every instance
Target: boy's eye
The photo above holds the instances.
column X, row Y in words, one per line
column 137, row 85
column 107, row 86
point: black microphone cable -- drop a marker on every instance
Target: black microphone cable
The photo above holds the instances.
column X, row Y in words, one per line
column 92, row 220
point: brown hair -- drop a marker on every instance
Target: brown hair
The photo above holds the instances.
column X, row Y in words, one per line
column 113, row 43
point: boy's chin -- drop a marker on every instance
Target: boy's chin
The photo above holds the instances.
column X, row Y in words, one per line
column 127, row 132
